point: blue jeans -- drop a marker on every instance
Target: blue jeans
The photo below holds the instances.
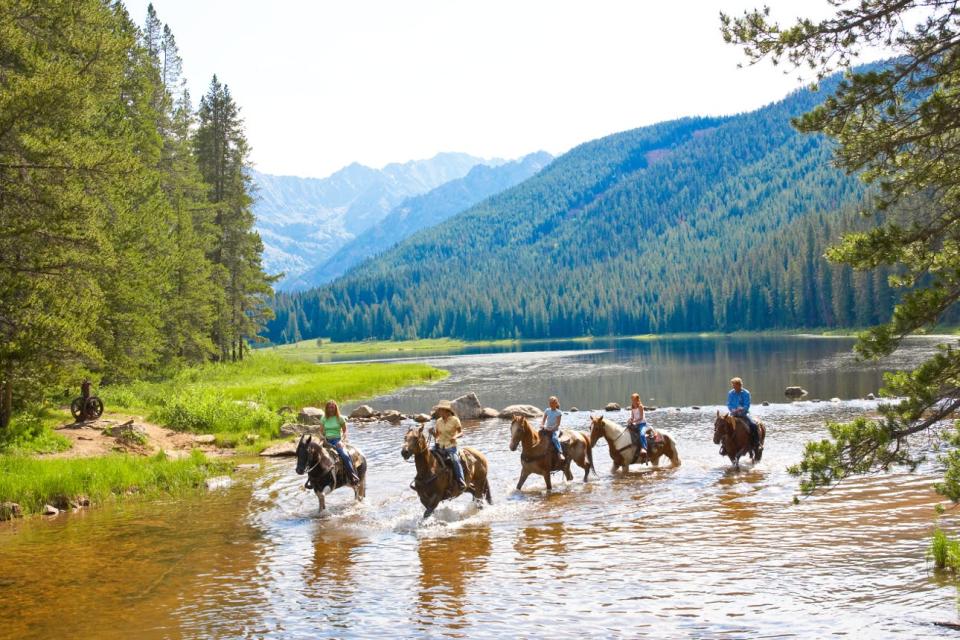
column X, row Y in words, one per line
column 347, row 462
column 640, row 428
column 454, row 458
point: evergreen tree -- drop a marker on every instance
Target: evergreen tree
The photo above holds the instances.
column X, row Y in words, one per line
column 898, row 127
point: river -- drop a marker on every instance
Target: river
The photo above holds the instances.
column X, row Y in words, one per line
column 696, row 551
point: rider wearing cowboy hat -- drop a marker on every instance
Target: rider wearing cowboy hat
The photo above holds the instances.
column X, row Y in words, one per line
column 446, row 430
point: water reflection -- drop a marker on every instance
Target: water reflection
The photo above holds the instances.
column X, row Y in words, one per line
column 448, row 564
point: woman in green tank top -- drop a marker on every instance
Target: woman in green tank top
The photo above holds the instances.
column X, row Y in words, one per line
column 335, row 430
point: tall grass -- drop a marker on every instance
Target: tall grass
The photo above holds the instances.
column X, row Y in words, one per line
column 215, row 398
column 34, row 483
column 32, row 431
column 944, row 551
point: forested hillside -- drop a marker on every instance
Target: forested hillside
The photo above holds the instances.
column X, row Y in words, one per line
column 427, row 210
column 126, row 234
column 691, row 225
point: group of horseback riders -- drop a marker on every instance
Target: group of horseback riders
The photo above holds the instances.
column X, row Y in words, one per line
column 543, row 451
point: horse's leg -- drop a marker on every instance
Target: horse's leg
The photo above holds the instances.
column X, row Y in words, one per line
column 566, row 468
column 321, row 499
column 546, row 478
column 431, row 507
column 523, row 478
column 655, row 460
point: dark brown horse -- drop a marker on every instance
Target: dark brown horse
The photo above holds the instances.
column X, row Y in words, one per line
column 623, row 452
column 325, row 471
column 537, row 454
column 434, row 481
column 733, row 433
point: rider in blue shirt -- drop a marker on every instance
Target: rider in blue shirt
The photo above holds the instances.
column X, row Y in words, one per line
column 738, row 402
column 551, row 424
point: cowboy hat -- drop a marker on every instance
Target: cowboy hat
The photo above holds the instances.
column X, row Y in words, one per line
column 443, row 404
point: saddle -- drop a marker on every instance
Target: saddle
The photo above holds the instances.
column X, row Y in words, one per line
column 654, row 439
column 556, row 462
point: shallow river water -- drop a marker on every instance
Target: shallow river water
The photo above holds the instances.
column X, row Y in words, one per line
column 696, row 551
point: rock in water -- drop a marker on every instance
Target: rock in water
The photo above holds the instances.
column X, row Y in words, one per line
column 574, row 409
column 363, row 411
column 870, row 396
column 794, row 392
column 392, row 416
column 421, row 418
column 488, row 413
column 50, row 510
column 297, row 429
column 765, row 403
column 218, row 482
column 834, row 399
column 612, row 406
column 468, row 407
column 282, row 449
column 310, row 415
column 525, row 410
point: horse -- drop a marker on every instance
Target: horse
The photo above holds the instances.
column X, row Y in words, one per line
column 537, row 454
column 326, row 471
column 734, row 433
column 622, row 450
column 435, row 482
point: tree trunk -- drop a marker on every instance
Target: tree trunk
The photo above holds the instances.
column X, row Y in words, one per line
column 6, row 402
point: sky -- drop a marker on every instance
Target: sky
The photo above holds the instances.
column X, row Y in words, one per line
column 322, row 84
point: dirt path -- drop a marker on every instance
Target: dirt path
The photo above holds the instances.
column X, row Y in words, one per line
column 93, row 438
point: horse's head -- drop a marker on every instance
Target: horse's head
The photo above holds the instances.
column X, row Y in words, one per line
column 596, row 429
column 303, row 454
column 722, row 426
column 518, row 426
column 414, row 442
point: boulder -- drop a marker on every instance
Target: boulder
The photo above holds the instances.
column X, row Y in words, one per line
column 574, row 409
column 297, row 429
column 128, row 431
column 870, row 396
column 834, row 399
column 488, row 413
column 280, row 450
column 310, row 415
column 49, row 510
column 525, row 410
column 10, row 510
column 695, row 408
column 207, row 438
column 392, row 416
column 468, row 407
column 421, row 418
column 363, row 411
column 612, row 406
column 794, row 392
column 765, row 403
column 649, row 408
column 218, row 482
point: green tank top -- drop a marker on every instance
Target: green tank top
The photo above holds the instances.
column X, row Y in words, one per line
column 332, row 426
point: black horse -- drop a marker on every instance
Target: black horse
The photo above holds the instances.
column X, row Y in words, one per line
column 325, row 471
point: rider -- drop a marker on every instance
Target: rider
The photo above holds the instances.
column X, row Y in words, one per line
column 335, row 430
column 636, row 423
column 446, row 430
column 738, row 402
column 551, row 424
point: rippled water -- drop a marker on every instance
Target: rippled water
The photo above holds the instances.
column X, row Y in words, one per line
column 697, row 551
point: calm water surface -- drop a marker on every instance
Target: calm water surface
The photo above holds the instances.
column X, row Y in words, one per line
column 697, row 551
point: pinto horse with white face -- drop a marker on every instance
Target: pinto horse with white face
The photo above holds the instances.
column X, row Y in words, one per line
column 622, row 450
column 538, row 456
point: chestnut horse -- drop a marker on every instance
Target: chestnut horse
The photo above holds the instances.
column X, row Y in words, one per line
column 326, row 471
column 434, row 481
column 537, row 454
column 622, row 450
column 734, row 433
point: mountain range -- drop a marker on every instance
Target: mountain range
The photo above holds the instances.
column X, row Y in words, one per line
column 697, row 224
column 303, row 221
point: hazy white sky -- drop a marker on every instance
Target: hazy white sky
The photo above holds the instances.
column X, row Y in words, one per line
column 322, row 84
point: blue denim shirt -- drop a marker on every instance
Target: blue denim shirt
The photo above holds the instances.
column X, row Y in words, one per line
column 738, row 400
